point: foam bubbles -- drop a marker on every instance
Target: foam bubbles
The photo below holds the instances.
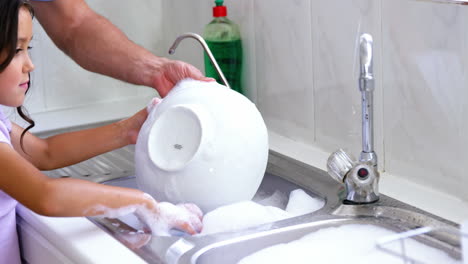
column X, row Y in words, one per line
column 351, row 243
column 185, row 217
column 112, row 212
column 276, row 199
column 239, row 216
column 301, row 203
column 160, row 219
column 247, row 214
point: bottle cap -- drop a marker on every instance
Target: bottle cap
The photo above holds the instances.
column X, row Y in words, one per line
column 219, row 11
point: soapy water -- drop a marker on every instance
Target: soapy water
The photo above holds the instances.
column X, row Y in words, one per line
column 247, row 214
column 239, row 216
column 352, row 243
column 160, row 220
column 277, row 199
column 181, row 216
column 300, row 203
column 267, row 208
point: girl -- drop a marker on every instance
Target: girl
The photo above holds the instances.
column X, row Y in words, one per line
column 23, row 155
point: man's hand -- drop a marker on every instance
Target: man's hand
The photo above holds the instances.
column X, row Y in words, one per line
column 173, row 71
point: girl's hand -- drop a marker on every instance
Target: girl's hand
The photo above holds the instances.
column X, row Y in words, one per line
column 165, row 216
column 152, row 104
column 131, row 126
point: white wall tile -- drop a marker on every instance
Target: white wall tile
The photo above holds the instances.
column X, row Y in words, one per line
column 425, row 66
column 66, row 85
column 141, row 22
column 242, row 13
column 181, row 16
column 60, row 83
column 464, row 128
column 284, row 67
column 336, row 72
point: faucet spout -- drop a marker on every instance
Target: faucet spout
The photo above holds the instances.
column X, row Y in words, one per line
column 361, row 178
column 205, row 47
column 366, row 86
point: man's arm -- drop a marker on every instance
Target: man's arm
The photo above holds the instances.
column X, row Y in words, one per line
column 99, row 46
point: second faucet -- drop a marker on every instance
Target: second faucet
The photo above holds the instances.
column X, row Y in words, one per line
column 361, row 177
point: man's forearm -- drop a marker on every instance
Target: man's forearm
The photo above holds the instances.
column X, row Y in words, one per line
column 98, row 46
column 95, row 43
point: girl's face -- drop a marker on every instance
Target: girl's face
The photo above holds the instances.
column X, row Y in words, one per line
column 14, row 80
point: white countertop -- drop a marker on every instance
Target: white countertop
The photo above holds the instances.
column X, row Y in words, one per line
column 79, row 239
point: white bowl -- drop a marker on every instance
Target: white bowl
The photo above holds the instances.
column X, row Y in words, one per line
column 205, row 144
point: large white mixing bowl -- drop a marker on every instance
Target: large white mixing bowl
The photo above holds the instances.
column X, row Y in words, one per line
column 205, row 144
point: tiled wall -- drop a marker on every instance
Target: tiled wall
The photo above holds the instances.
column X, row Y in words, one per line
column 58, row 83
column 426, row 93
column 301, row 69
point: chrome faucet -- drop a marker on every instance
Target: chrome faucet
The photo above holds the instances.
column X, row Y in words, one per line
column 366, row 86
column 205, row 47
column 361, row 177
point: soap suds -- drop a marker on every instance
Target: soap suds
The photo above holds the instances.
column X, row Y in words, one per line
column 164, row 217
column 239, row 216
column 185, row 217
column 247, row 214
column 277, row 199
column 113, row 212
column 301, row 203
column 353, row 243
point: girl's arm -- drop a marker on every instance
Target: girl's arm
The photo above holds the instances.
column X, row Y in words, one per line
column 58, row 197
column 74, row 197
column 73, row 147
column 21, row 178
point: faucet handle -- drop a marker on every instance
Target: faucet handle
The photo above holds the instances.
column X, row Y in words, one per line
column 339, row 164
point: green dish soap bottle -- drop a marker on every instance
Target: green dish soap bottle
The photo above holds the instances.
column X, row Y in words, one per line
column 223, row 37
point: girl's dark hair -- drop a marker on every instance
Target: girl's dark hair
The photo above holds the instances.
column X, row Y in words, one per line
column 9, row 11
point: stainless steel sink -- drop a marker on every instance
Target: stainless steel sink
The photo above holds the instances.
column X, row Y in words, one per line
column 169, row 249
column 234, row 249
column 283, row 175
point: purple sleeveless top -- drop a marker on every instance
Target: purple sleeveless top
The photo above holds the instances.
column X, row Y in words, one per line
column 9, row 246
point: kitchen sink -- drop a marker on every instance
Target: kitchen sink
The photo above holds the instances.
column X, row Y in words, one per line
column 443, row 237
column 283, row 175
column 233, row 250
